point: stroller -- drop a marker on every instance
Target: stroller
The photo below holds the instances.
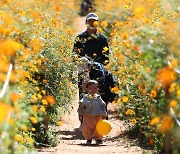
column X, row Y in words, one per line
column 86, row 7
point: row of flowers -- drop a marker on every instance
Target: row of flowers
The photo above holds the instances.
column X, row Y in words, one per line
column 145, row 61
column 35, row 57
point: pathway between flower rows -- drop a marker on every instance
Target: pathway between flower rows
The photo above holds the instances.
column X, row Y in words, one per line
column 72, row 141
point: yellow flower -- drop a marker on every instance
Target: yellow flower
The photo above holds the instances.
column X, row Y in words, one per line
column 33, row 98
column 33, row 120
column 24, row 128
column 30, row 140
column 104, row 23
column 33, row 129
column 5, row 111
column 39, row 96
column 44, row 102
column 105, row 49
column 43, row 92
column 126, row 6
column 9, row 47
column 18, row 138
column 166, row 76
column 124, row 35
column 172, row 87
column 43, row 109
column 130, row 112
column 178, row 93
column 125, row 99
column 95, row 23
column 173, row 103
column 59, row 123
column 34, row 108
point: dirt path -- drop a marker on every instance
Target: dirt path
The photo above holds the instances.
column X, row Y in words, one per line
column 72, row 141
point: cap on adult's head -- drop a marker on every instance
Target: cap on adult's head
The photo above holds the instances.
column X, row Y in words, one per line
column 92, row 16
column 83, row 65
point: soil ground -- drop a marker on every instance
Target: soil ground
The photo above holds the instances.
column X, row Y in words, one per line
column 72, row 141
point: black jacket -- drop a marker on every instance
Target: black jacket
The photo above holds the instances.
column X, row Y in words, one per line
column 105, row 79
column 91, row 46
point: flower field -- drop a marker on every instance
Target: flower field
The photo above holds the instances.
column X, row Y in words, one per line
column 144, row 44
column 36, row 60
column 37, row 69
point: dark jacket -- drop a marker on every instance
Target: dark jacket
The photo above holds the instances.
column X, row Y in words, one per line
column 104, row 78
column 91, row 46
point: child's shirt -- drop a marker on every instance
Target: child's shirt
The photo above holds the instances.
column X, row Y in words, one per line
column 92, row 105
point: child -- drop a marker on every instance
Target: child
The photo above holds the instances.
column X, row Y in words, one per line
column 93, row 109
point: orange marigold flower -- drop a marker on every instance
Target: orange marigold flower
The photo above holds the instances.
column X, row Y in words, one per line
column 166, row 76
column 115, row 89
column 5, row 111
column 14, row 97
column 166, row 124
column 133, row 121
column 10, row 47
column 154, row 121
column 153, row 93
column 50, row 100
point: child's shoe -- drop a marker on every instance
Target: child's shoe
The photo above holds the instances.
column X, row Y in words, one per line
column 88, row 142
column 99, row 142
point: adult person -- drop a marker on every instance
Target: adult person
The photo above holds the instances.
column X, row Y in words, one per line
column 86, row 6
column 90, row 43
column 90, row 70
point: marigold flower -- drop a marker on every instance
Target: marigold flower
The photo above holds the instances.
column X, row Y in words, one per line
column 166, row 124
column 33, row 120
column 24, row 128
column 125, row 99
column 44, row 102
column 18, row 138
column 130, row 112
column 39, row 96
column 5, row 111
column 43, row 109
column 60, row 123
column 133, row 121
column 166, row 76
column 50, row 100
column 153, row 93
column 178, row 93
column 14, row 97
column 95, row 23
column 33, row 129
column 10, row 47
column 105, row 49
column 115, row 89
column 154, row 121
column 173, row 103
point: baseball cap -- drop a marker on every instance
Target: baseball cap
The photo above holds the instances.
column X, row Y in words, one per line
column 92, row 16
column 83, row 65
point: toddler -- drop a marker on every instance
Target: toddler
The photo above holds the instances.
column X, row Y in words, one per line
column 93, row 109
